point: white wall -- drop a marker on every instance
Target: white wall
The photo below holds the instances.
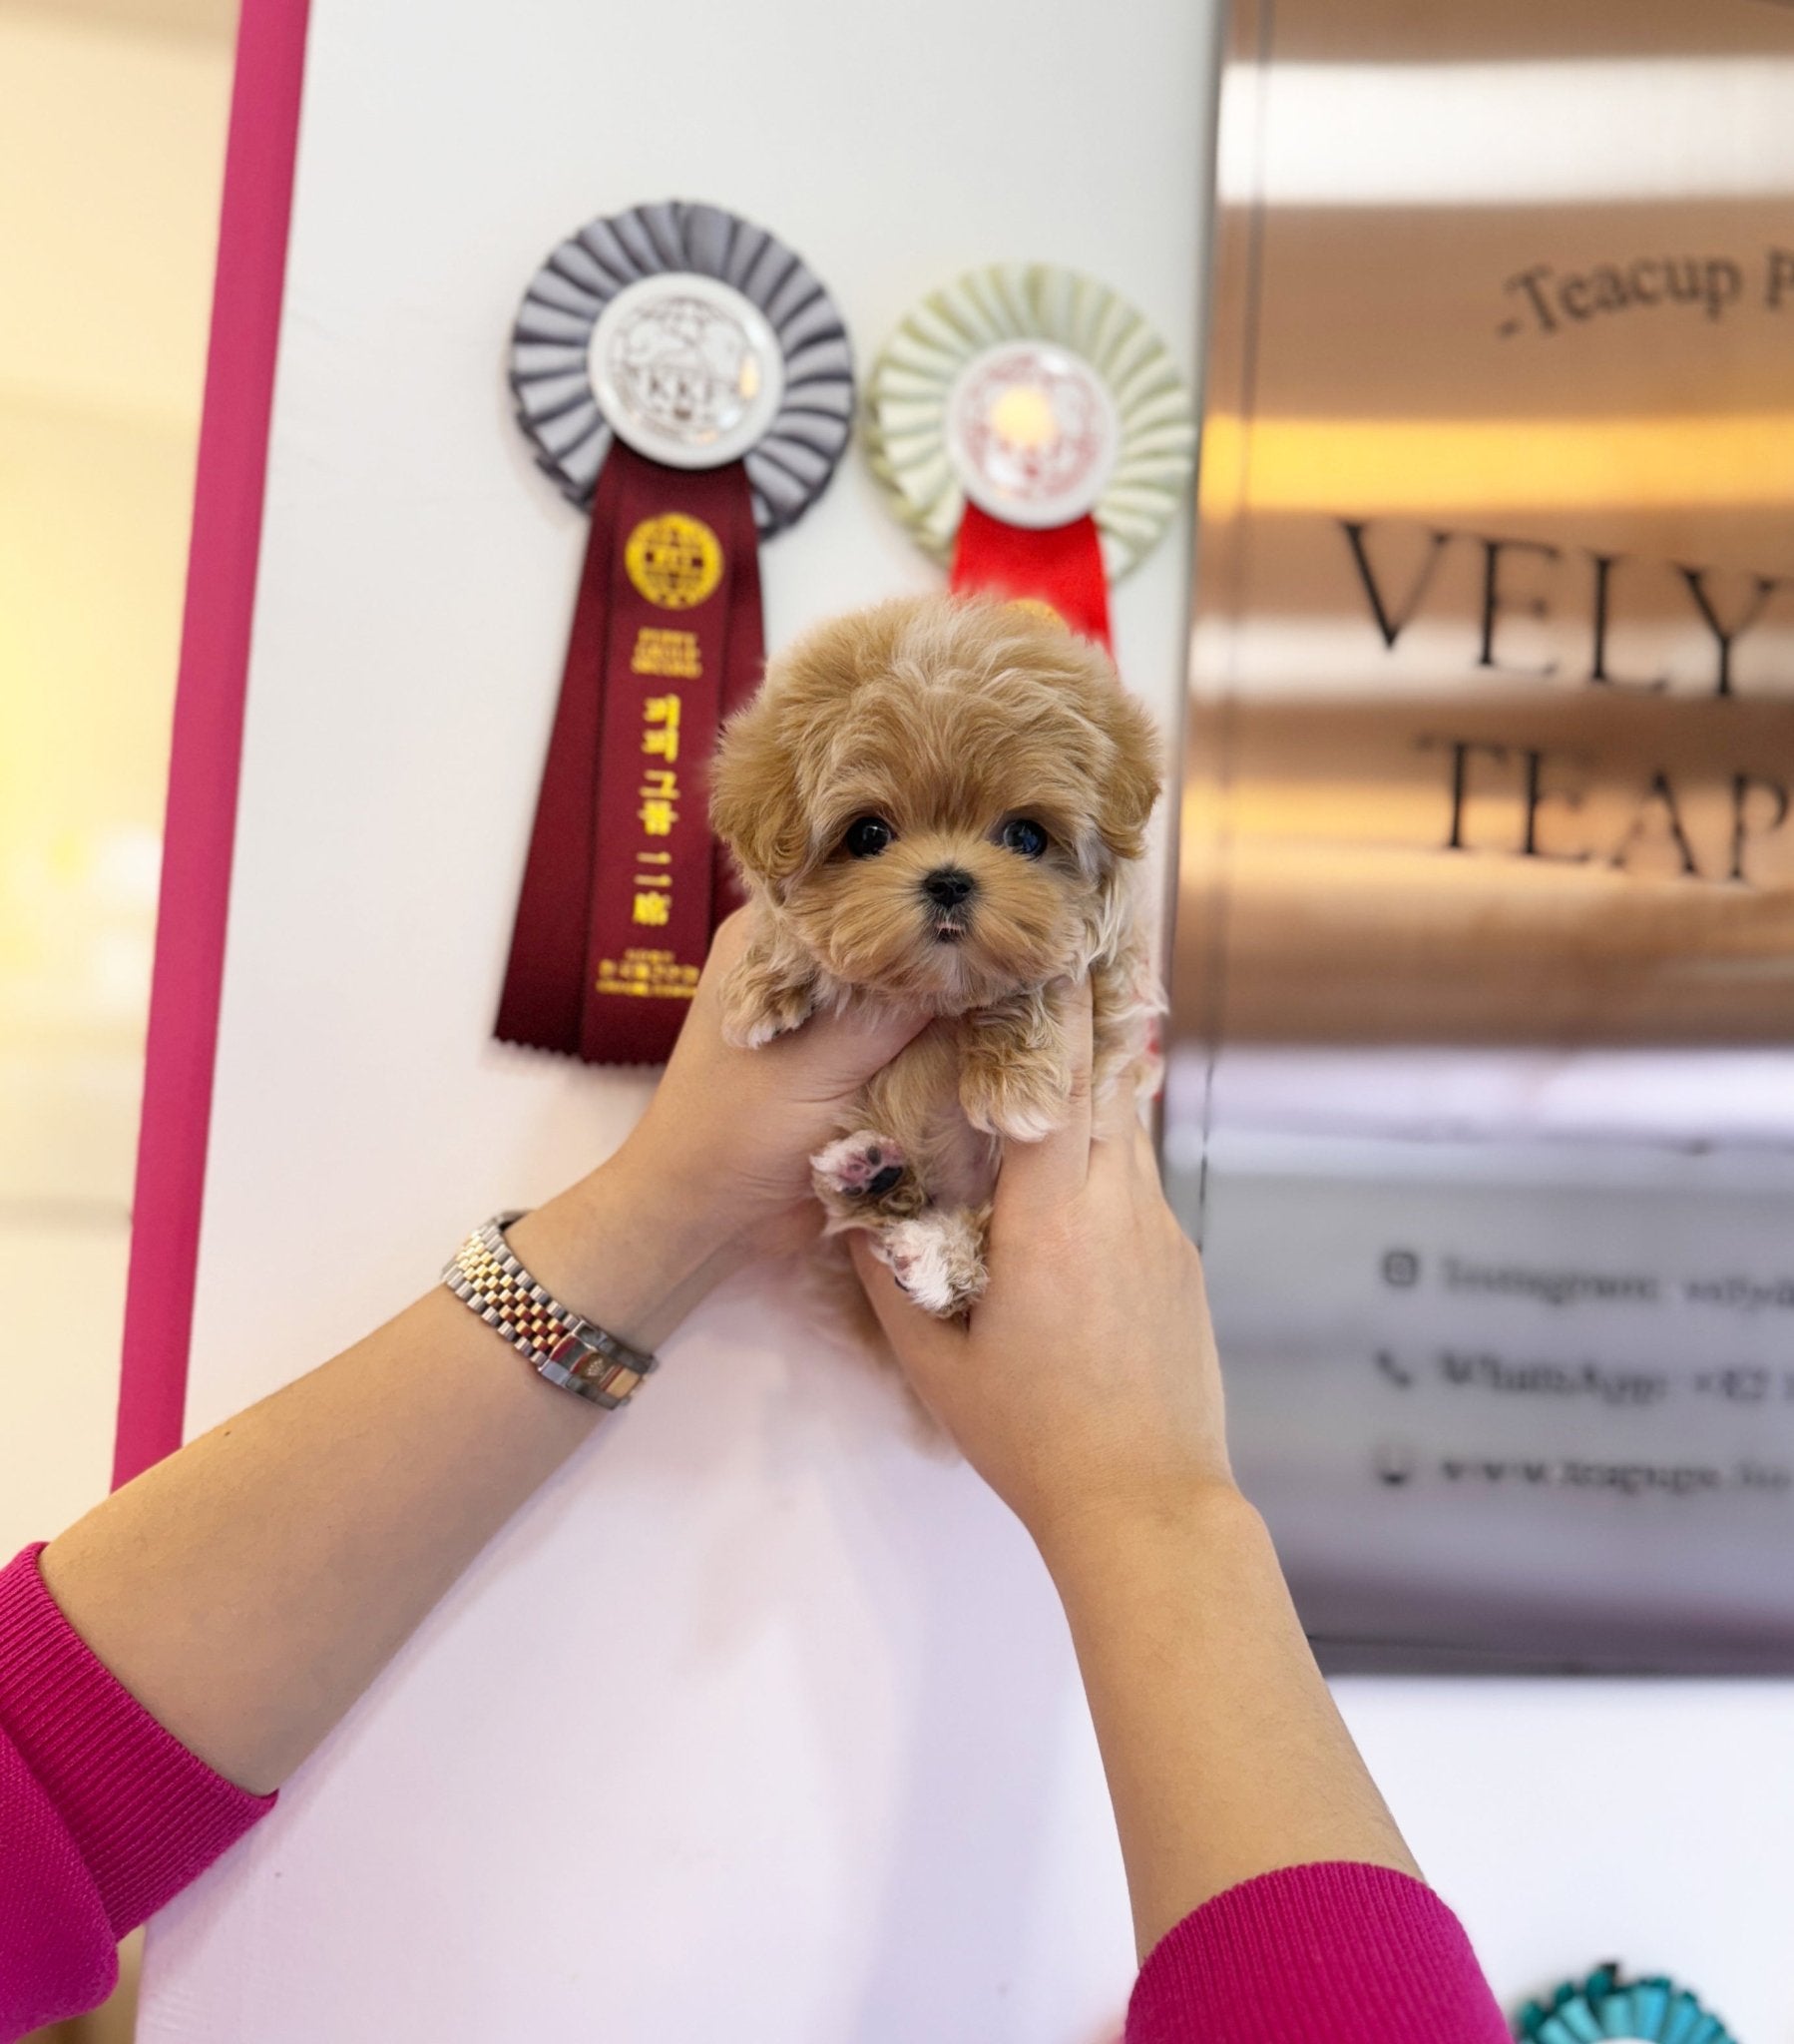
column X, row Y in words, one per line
column 760, row 1723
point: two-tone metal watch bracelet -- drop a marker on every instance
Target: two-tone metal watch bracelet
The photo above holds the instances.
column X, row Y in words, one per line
column 552, row 1338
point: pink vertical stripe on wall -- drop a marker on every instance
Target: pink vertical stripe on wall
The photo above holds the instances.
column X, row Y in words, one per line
column 208, row 732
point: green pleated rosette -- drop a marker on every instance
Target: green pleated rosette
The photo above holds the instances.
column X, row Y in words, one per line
column 1605, row 2008
column 912, row 383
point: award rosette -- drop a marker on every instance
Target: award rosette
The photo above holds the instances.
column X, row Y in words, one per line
column 1604, row 2009
column 1032, row 431
column 688, row 379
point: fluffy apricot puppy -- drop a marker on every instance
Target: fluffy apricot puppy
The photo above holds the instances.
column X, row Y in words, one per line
column 942, row 802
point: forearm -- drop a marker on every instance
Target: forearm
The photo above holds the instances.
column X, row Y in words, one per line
column 248, row 1589
column 1226, row 1756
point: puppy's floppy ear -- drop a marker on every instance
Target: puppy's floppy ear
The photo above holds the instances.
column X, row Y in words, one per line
column 1130, row 781
column 754, row 804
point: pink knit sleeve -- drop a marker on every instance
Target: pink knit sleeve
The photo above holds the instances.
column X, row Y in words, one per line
column 104, row 1816
column 1334, row 1955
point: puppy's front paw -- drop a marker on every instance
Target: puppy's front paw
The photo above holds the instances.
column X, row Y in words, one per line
column 938, row 1259
column 1021, row 1098
column 756, row 1007
column 862, row 1165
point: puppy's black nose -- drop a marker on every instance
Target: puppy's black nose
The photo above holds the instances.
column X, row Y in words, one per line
column 948, row 886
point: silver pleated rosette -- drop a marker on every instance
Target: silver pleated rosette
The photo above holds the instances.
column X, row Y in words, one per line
column 699, row 338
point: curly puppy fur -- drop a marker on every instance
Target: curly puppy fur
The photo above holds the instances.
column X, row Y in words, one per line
column 942, row 802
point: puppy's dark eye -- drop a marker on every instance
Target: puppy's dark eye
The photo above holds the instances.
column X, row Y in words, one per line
column 1023, row 834
column 868, row 837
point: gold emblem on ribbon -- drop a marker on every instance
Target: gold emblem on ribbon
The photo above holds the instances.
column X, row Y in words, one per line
column 674, row 560
column 1038, row 607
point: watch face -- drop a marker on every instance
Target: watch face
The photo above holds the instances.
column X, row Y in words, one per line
column 687, row 370
column 1032, row 433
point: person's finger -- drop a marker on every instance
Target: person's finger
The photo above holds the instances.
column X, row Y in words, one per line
column 1038, row 1175
column 727, row 942
column 1115, row 1116
column 1125, row 1154
column 701, row 1027
column 839, row 1052
column 1146, row 1151
column 836, row 1052
column 923, row 1344
column 1115, row 1153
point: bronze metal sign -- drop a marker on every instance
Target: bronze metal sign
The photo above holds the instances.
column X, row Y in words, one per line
column 1480, row 1096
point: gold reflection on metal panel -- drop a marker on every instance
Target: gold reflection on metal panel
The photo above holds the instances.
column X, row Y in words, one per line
column 1493, row 719
column 1480, row 1090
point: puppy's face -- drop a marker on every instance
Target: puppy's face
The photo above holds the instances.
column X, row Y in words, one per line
column 937, row 798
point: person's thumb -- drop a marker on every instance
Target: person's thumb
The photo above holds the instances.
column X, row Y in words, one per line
column 840, row 1051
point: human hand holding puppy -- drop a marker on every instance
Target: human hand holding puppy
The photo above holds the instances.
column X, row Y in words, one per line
column 249, row 1587
column 1084, row 1388
column 938, row 804
column 726, row 1139
column 1085, row 1382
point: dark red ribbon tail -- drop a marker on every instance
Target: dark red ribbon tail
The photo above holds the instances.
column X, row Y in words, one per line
column 741, row 673
column 544, row 990
column 624, row 881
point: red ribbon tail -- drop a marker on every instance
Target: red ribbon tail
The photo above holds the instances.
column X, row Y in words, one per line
column 1059, row 567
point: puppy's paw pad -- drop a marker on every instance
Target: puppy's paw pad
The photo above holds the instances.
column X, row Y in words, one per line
column 937, row 1258
column 1024, row 1104
column 864, row 1165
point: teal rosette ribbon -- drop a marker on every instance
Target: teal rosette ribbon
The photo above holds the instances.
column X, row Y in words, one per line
column 1604, row 2009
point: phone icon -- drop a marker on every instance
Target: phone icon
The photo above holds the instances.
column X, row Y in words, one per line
column 1393, row 1370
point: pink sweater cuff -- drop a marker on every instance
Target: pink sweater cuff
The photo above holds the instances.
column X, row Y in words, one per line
column 56, row 1946
column 144, row 1814
column 1329, row 1954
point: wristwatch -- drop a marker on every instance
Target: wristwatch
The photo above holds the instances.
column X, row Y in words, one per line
column 569, row 1351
